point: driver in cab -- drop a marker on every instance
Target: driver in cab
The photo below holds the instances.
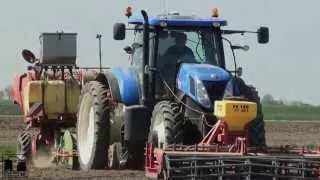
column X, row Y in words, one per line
column 179, row 51
column 173, row 56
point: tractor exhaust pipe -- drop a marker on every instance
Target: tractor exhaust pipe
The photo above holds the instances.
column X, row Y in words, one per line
column 145, row 80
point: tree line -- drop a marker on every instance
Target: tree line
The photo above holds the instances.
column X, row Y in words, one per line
column 5, row 94
column 268, row 99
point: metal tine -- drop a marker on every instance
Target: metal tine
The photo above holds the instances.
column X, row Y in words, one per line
column 294, row 168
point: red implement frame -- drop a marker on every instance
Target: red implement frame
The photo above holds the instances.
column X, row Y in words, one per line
column 224, row 153
column 36, row 118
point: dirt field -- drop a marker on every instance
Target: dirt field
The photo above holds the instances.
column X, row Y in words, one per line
column 278, row 133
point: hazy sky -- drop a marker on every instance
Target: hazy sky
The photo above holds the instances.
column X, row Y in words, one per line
column 287, row 67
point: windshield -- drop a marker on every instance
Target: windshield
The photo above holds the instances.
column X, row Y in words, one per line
column 196, row 46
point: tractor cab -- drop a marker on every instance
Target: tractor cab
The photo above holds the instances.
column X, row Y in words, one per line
column 178, row 54
column 173, row 43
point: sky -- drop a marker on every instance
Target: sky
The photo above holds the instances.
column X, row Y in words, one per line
column 287, row 67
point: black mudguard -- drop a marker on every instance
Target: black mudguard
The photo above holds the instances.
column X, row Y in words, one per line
column 110, row 80
column 137, row 122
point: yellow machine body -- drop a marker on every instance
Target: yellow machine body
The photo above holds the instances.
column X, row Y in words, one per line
column 54, row 94
column 236, row 114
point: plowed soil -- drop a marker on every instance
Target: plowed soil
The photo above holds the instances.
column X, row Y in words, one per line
column 277, row 133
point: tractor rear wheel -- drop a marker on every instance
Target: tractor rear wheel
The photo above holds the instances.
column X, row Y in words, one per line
column 93, row 126
column 256, row 129
column 24, row 146
column 166, row 125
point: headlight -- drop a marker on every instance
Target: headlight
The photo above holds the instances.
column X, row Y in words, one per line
column 228, row 92
column 202, row 95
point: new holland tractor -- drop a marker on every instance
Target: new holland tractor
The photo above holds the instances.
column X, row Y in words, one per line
column 48, row 95
column 166, row 95
column 177, row 110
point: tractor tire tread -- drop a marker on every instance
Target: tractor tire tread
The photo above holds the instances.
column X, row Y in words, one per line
column 173, row 125
column 257, row 127
column 102, row 125
column 24, row 146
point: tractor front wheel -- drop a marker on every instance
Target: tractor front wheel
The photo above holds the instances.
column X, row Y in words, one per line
column 256, row 129
column 93, row 126
column 166, row 125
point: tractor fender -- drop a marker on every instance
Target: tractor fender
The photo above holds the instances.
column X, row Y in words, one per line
column 111, row 82
column 123, row 83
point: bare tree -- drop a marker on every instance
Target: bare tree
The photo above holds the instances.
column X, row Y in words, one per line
column 268, row 99
column 8, row 90
column 2, row 95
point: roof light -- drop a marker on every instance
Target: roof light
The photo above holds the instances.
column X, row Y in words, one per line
column 174, row 13
column 216, row 24
column 215, row 12
column 163, row 24
column 128, row 11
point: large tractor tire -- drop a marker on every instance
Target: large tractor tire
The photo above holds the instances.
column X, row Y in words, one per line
column 166, row 125
column 256, row 129
column 24, row 146
column 93, row 126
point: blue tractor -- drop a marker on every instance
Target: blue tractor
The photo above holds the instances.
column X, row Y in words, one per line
column 177, row 71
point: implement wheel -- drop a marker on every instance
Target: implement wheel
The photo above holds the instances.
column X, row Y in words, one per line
column 93, row 126
column 114, row 154
column 68, row 146
column 24, row 146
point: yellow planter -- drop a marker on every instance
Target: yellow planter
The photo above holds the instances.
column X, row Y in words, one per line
column 236, row 114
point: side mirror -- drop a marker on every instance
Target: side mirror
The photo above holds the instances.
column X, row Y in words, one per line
column 132, row 48
column 136, row 45
column 244, row 48
column 28, row 56
column 239, row 71
column 128, row 49
column 119, row 31
column 263, row 35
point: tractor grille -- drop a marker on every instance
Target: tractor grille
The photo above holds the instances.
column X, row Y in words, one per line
column 215, row 89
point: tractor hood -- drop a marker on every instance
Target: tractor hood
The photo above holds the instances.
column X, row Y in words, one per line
column 202, row 82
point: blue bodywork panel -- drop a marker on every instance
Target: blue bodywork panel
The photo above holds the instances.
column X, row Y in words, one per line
column 202, row 72
column 174, row 21
column 130, row 88
column 128, row 84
